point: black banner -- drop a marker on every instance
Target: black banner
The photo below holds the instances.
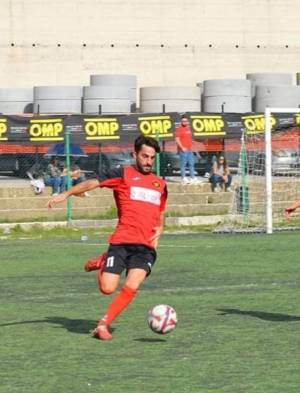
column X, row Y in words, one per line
column 123, row 129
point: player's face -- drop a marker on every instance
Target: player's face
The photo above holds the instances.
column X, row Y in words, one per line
column 145, row 159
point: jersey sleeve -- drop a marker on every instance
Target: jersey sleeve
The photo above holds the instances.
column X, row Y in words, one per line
column 163, row 200
column 111, row 178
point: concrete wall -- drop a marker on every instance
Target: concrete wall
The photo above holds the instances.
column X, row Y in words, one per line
column 163, row 42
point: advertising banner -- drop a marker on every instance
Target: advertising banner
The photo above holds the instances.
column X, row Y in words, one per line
column 123, row 129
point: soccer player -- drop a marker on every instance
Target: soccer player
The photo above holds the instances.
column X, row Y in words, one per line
column 140, row 198
column 290, row 209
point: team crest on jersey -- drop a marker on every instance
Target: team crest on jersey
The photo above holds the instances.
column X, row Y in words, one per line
column 156, row 184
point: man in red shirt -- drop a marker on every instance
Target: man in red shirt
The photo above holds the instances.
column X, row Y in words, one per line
column 184, row 141
column 140, row 198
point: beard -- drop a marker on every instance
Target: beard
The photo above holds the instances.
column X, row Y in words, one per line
column 144, row 169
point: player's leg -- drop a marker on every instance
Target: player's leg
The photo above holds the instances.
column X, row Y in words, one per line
column 139, row 263
column 108, row 283
column 108, row 279
column 133, row 281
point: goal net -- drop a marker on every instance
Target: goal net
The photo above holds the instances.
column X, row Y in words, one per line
column 267, row 177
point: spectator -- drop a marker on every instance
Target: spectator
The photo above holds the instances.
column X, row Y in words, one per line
column 54, row 177
column 184, row 141
column 220, row 175
column 77, row 176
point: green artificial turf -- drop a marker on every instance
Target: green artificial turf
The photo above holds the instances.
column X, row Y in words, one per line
column 236, row 296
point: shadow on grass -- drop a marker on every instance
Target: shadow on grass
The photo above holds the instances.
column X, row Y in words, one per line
column 150, row 340
column 80, row 326
column 266, row 316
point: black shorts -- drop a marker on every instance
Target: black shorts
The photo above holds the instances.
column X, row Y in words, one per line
column 129, row 256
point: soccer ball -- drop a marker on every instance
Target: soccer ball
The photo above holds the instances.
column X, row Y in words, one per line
column 162, row 319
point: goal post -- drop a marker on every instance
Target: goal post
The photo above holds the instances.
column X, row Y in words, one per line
column 265, row 163
column 268, row 161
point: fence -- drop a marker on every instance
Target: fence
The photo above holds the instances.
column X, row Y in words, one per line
column 98, row 143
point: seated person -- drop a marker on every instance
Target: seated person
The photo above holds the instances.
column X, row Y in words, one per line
column 54, row 177
column 220, row 174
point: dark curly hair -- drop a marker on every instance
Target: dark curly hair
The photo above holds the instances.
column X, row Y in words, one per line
column 146, row 140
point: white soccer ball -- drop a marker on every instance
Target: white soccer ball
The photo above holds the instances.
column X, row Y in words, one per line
column 162, row 319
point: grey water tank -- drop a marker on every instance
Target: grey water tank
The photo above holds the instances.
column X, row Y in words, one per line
column 298, row 78
column 16, row 100
column 174, row 99
column 281, row 96
column 232, row 104
column 57, row 99
column 107, row 99
column 118, row 80
column 228, row 95
column 269, row 79
column 200, row 85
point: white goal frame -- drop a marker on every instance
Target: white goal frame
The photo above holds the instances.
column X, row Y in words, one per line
column 268, row 162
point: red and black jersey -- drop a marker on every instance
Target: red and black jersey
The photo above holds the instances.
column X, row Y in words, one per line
column 140, row 199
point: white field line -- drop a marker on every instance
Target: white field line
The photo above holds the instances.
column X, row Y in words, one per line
column 82, row 243
column 232, row 287
column 85, row 243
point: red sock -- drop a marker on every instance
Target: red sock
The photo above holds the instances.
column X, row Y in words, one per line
column 119, row 303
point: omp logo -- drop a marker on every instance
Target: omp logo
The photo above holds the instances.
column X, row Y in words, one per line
column 204, row 125
column 3, row 129
column 101, row 129
column 297, row 119
column 46, row 130
column 255, row 124
column 156, row 126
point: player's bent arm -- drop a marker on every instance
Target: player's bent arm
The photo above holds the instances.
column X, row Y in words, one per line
column 76, row 190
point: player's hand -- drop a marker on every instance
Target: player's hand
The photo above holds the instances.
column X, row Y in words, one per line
column 56, row 199
column 287, row 214
column 157, row 234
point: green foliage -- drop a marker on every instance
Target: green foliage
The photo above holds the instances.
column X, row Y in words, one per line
column 237, row 299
